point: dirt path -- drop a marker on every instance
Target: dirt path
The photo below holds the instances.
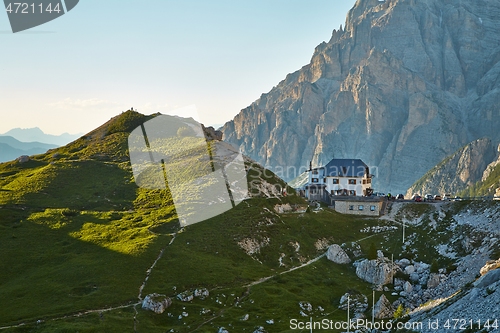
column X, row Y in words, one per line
column 144, row 283
column 87, row 312
column 75, row 315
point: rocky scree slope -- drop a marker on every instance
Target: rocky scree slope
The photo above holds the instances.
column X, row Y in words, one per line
column 403, row 85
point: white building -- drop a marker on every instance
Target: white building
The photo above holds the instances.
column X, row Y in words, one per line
column 340, row 177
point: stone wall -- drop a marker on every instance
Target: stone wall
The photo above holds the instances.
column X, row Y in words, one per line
column 353, row 207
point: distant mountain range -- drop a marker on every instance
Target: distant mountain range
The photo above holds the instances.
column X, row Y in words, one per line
column 10, row 148
column 37, row 135
column 30, row 141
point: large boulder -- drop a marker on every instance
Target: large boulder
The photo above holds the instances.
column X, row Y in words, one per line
column 378, row 272
column 156, row 303
column 336, row 254
column 383, row 308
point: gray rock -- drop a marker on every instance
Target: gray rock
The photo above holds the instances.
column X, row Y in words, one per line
column 380, row 254
column 336, row 254
column 488, row 279
column 414, row 277
column 383, row 308
column 378, row 272
column 403, row 263
column 156, row 302
column 434, row 280
column 358, row 303
column 23, row 159
column 201, row 293
column 421, row 267
column 185, row 296
column 408, row 288
column 410, row 269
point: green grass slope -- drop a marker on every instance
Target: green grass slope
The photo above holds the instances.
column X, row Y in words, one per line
column 78, row 239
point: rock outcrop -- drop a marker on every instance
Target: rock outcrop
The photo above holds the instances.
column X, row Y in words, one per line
column 156, row 303
column 490, row 265
column 336, row 254
column 211, row 133
column 357, row 304
column 457, row 172
column 23, row 159
column 403, row 86
column 383, row 308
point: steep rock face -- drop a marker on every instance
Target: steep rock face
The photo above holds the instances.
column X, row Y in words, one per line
column 403, row 86
column 457, row 172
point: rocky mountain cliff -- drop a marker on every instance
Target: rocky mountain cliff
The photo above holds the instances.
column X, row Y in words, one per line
column 459, row 171
column 403, row 85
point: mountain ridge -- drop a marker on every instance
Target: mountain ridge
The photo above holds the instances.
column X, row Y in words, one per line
column 403, row 85
column 10, row 148
column 35, row 134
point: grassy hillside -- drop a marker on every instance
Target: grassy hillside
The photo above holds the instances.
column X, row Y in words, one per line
column 78, row 239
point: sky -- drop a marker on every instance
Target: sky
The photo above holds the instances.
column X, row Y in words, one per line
column 74, row 73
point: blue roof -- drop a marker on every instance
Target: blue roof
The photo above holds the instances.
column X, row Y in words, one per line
column 346, row 168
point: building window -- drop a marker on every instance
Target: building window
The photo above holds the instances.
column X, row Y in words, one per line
column 324, row 180
column 352, row 193
column 335, row 181
column 313, row 190
column 314, row 180
column 369, row 181
column 352, row 181
column 372, row 208
column 361, row 207
column 351, row 207
column 332, row 192
column 315, row 172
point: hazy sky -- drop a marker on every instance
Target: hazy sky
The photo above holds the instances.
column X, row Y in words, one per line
column 105, row 56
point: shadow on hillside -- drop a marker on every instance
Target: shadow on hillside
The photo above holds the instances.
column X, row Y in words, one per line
column 46, row 272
